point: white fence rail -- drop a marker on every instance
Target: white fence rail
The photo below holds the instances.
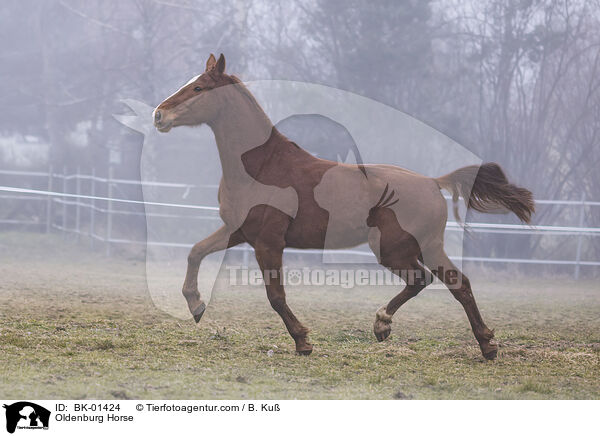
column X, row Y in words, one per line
column 105, row 206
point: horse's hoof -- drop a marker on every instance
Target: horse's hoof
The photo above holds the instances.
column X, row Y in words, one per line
column 382, row 335
column 490, row 351
column 304, row 351
column 383, row 324
column 199, row 312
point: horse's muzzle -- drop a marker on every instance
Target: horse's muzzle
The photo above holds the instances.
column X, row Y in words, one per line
column 161, row 122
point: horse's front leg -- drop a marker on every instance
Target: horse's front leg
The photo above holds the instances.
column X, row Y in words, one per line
column 221, row 239
column 269, row 255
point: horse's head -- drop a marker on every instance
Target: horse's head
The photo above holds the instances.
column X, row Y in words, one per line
column 193, row 104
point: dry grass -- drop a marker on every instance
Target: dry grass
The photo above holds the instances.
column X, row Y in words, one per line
column 74, row 325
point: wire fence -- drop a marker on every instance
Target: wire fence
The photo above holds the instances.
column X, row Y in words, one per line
column 64, row 207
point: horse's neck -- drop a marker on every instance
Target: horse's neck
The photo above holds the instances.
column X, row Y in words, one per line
column 241, row 127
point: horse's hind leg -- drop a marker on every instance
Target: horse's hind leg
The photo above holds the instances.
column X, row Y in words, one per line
column 219, row 240
column 401, row 256
column 417, row 278
column 460, row 287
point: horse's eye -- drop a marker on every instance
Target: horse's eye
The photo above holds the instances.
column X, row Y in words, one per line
column 197, row 89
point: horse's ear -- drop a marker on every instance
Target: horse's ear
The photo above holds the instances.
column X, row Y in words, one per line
column 221, row 64
column 210, row 63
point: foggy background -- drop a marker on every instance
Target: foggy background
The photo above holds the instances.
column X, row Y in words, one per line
column 513, row 81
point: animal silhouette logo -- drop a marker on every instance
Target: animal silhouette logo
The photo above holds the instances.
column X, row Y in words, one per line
column 26, row 415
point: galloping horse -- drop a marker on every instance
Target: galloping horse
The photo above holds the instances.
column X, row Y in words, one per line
column 273, row 194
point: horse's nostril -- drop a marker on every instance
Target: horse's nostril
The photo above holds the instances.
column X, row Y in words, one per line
column 157, row 115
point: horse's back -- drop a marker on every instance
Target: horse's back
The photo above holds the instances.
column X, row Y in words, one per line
column 348, row 192
column 421, row 209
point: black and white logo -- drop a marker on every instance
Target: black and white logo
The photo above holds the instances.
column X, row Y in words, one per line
column 26, row 415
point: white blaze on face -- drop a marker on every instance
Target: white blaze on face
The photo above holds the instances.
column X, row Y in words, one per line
column 192, row 80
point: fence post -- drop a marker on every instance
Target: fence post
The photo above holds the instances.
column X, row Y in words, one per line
column 109, row 210
column 64, row 208
column 92, row 207
column 580, row 236
column 49, row 201
column 77, row 207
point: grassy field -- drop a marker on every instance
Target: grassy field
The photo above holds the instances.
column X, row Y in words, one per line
column 75, row 325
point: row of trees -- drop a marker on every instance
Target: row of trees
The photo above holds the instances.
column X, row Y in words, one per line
column 515, row 81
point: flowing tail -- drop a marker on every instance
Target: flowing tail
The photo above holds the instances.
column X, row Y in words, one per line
column 485, row 188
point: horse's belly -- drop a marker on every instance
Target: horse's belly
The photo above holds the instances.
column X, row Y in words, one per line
column 316, row 231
